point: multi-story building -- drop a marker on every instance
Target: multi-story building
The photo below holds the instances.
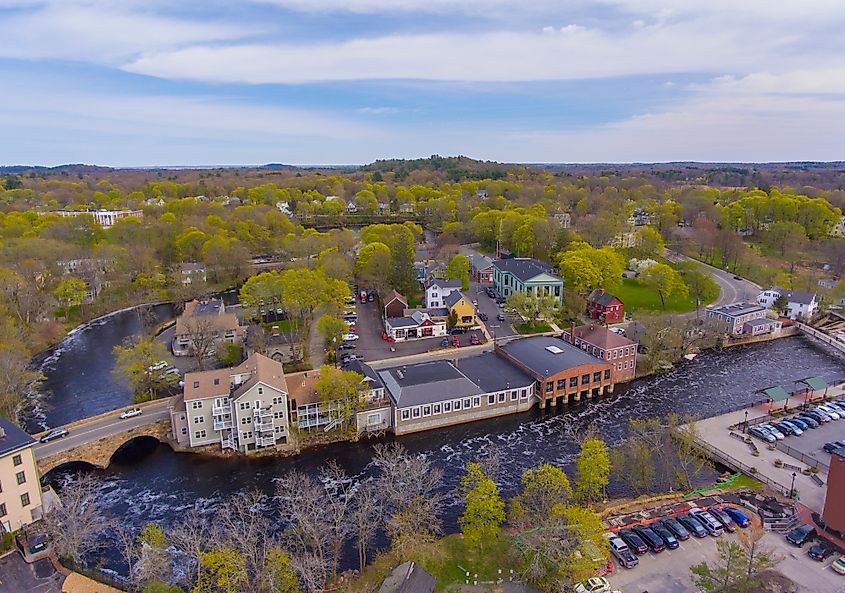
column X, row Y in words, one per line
column 605, row 307
column 105, row 218
column 480, row 268
column 743, row 319
column 244, row 408
column 442, row 393
column 20, row 484
column 417, row 325
column 609, row 346
column 834, row 511
column 523, row 274
column 800, row 305
column 461, row 307
column 203, row 323
column 563, row 373
column 438, row 290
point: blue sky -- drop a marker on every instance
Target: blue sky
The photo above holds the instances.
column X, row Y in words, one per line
column 144, row 83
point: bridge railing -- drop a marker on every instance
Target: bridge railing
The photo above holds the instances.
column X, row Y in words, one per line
column 111, row 413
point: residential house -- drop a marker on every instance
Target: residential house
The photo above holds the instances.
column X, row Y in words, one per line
column 482, row 194
column 605, row 307
column 563, row 372
column 418, row 325
column 351, row 208
column 609, row 346
column 462, row 309
column 743, row 319
column 522, row 274
column 438, row 290
column 441, row 393
column 408, row 577
column 193, row 273
column 394, row 304
column 203, row 320
column 564, row 219
column 838, row 229
column 92, row 271
column 800, row 305
column 20, row 484
column 105, row 218
column 284, row 208
column 480, row 268
column 244, row 408
column 827, row 283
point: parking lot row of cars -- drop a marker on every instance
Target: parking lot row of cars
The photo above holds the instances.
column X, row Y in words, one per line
column 802, row 421
column 821, row 550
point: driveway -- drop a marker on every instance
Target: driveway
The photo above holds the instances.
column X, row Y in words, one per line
column 488, row 306
column 16, row 576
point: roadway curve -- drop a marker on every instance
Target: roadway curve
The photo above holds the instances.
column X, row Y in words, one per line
column 731, row 290
column 105, row 425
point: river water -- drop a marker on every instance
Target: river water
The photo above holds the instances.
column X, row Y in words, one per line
column 159, row 484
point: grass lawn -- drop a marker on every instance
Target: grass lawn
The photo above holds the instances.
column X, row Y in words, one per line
column 448, row 560
column 638, row 297
column 284, row 325
column 527, row 328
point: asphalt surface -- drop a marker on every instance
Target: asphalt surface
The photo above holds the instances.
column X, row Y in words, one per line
column 103, row 427
column 731, row 289
column 16, row 576
column 487, row 305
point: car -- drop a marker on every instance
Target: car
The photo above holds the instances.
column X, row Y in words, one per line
column 634, row 541
column 775, row 432
column 456, row 343
column 792, row 426
column 621, row 551
column 820, row 551
column 654, row 541
column 347, row 346
column 830, row 411
column 474, row 302
column 711, row 524
column 500, row 317
column 738, row 516
column 819, row 417
column 840, row 406
column 593, row 585
column 444, row 342
column 675, row 527
column 839, row 565
column 474, row 340
column 350, row 337
column 370, row 298
column 172, row 372
column 831, row 447
column 670, row 540
column 782, row 428
column 483, row 316
column 618, row 330
column 799, row 423
column 723, row 518
column 458, row 330
column 130, row 413
column 692, row 524
column 56, row 433
column 801, row 535
column 490, row 292
column 811, row 422
column 762, row 434
column 352, row 329
column 738, row 278
column 161, row 364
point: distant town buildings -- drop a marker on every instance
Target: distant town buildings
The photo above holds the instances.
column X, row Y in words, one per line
column 105, row 218
column 20, row 484
column 193, row 273
column 838, row 229
column 203, row 323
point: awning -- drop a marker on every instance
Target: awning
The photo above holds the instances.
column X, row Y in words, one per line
column 776, row 394
column 814, row 383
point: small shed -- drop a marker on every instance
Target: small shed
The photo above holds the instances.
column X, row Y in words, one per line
column 394, row 305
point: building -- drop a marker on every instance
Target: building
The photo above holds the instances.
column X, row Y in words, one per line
column 441, row 393
column 438, row 290
column 193, row 273
column 204, row 323
column 244, row 408
column 105, row 218
column 20, row 484
column 284, row 208
column 395, row 305
column 462, row 309
column 563, row 373
column 743, row 319
column 523, row 274
column 602, row 343
column 480, row 268
column 605, row 307
column 838, row 229
column 800, row 305
column 91, row 270
column 564, row 219
column 418, row 325
column 834, row 511
column 408, row 577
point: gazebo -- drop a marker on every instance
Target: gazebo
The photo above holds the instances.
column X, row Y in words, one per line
column 776, row 394
column 812, row 385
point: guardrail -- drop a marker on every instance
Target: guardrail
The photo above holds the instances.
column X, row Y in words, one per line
column 802, row 457
column 737, row 465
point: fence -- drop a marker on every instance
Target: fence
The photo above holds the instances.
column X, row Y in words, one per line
column 803, row 457
column 737, row 465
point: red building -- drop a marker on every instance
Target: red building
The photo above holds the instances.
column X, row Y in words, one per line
column 834, row 502
column 605, row 307
column 394, row 305
column 598, row 341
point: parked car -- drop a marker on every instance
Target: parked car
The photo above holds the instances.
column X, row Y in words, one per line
column 56, row 433
column 775, row 432
column 370, row 298
column 500, row 317
column 799, row 423
column 474, row 340
column 483, row 316
column 621, row 551
column 819, row 417
column 161, row 364
column 458, row 330
column 350, row 337
column 347, row 346
column 831, row 411
column 444, row 342
column 173, row 372
column 634, row 541
column 593, row 585
column 130, row 413
column 839, row 565
column 784, row 428
column 811, row 422
column 664, row 534
column 654, row 541
column 693, row 525
column 738, row 516
column 838, row 405
column 711, row 524
column 801, row 535
column 618, row 330
column 762, row 434
column 456, row 343
column 723, row 518
column 796, row 430
column 831, row 447
column 678, row 530
column 820, row 551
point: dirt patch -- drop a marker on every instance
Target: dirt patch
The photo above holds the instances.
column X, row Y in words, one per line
column 774, row 582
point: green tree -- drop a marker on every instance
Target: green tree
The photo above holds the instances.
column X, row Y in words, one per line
column 701, row 287
column 593, row 467
column 70, row 292
column 374, row 266
column 665, row 280
column 399, row 238
column 134, row 360
column 160, row 587
column 458, row 269
column 585, row 268
column 279, row 572
column 785, row 235
column 332, row 329
column 738, row 566
column 485, row 510
column 649, row 242
column 533, row 307
column 542, row 488
column 343, row 387
column 222, row 570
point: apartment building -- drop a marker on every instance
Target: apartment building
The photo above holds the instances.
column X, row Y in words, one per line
column 20, row 484
column 609, row 346
column 105, row 218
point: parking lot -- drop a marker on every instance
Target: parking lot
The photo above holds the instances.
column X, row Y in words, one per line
column 811, row 443
column 489, row 307
column 16, row 576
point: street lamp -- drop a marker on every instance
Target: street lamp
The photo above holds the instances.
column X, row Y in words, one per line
column 792, row 487
column 745, row 424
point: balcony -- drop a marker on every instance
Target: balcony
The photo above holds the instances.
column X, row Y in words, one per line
column 220, row 410
column 262, row 441
column 228, row 443
column 262, row 413
column 223, row 424
column 263, row 425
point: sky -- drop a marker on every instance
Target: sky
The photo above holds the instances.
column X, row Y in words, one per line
column 238, row 82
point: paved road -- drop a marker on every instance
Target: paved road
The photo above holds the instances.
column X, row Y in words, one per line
column 732, row 290
column 487, row 305
column 107, row 426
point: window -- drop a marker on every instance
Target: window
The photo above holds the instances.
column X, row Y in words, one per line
column 607, row 355
column 561, row 384
column 196, row 405
column 199, row 420
column 415, row 412
column 502, row 396
column 260, row 391
column 550, row 386
column 244, row 405
column 16, row 459
column 217, row 381
column 476, row 401
column 467, row 403
column 597, row 377
column 184, row 430
column 457, row 403
column 573, row 381
column 25, row 499
column 607, row 374
column 202, row 433
column 405, row 414
column 619, row 366
column 277, row 401
column 585, row 379
column 196, row 384
column 245, row 420
column 436, row 408
column 373, row 419
column 426, row 411
column 514, row 395
column 491, row 399
column 2, row 509
column 523, row 394
column 447, row 407
column 615, row 353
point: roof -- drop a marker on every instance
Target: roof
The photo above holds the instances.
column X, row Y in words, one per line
column 533, row 354
column 359, row 366
column 403, row 321
column 408, row 577
column 431, row 311
column 602, row 298
column 426, row 382
column 453, row 297
column 302, row 387
column 600, row 336
column 192, row 266
column 204, row 307
column 737, row 309
column 776, row 394
column 799, row 296
column 814, row 383
column 446, row 283
column 259, row 367
column 204, row 316
column 524, row 268
column 491, row 373
column 479, row 261
column 392, row 296
column 15, row 438
column 77, row 583
column 759, row 322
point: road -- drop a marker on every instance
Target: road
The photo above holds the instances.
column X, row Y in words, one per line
column 108, row 425
column 731, row 290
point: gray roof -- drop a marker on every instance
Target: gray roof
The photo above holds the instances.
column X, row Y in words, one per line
column 601, row 297
column 14, row 438
column 446, row 283
column 532, row 353
column 192, row 266
column 209, row 307
column 799, row 296
column 408, row 577
column 401, row 322
column 760, row 321
column 453, row 297
column 524, row 268
column 737, row 309
column 491, row 373
column 363, row 368
column 479, row 262
column 432, row 311
column 426, row 382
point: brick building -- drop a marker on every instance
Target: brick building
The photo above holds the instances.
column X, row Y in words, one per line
column 605, row 307
column 598, row 341
column 834, row 502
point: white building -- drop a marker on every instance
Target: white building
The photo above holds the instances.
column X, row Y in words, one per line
column 284, row 208
column 438, row 290
column 418, row 325
column 105, row 218
column 800, row 305
column 838, row 229
column 743, row 319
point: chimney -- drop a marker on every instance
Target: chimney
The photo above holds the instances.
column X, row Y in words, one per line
column 572, row 333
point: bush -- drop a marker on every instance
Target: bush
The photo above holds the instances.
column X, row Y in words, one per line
column 229, row 354
column 778, row 462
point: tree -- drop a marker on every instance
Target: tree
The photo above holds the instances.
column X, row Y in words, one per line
column 785, row 235
column 332, row 329
column 634, row 464
column 666, row 281
column 649, row 242
column 701, row 287
column 364, row 519
column 458, row 269
column 190, row 536
column 690, row 463
column 533, row 306
column 542, row 488
column 738, row 566
column 399, row 238
column 203, row 332
column 373, row 266
column 593, row 466
column 70, row 292
column 76, row 524
column 134, row 362
column 279, row 572
column 484, row 511
column 222, row 570
column 780, row 304
column 343, row 388
column 585, row 268
column 16, row 376
column 154, row 561
column 159, row 587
